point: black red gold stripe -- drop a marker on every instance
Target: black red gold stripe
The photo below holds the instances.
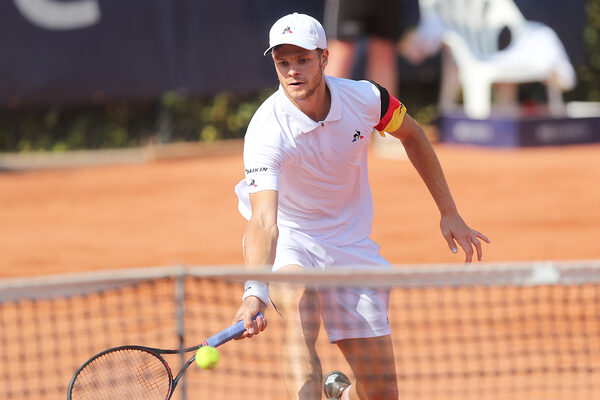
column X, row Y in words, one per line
column 392, row 111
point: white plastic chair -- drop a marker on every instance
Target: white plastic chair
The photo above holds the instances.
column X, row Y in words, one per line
column 472, row 59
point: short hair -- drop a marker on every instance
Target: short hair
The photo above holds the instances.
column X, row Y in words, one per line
column 319, row 51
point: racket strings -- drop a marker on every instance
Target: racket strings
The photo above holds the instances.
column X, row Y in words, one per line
column 123, row 374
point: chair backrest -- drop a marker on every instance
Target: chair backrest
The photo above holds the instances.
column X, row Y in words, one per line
column 478, row 22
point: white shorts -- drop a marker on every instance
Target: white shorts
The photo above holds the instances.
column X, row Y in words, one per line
column 347, row 313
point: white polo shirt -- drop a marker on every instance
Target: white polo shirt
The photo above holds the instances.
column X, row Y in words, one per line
column 319, row 168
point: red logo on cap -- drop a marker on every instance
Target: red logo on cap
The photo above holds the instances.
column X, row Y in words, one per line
column 287, row 30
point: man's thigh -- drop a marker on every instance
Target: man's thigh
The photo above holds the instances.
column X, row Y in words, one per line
column 297, row 304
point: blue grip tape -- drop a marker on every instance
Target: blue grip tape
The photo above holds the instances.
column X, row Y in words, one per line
column 228, row 334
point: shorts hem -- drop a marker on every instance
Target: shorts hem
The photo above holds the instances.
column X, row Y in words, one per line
column 359, row 334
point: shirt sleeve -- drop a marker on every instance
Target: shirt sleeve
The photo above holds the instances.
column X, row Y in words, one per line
column 262, row 163
column 392, row 111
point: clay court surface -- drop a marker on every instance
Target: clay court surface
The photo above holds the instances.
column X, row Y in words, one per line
column 534, row 204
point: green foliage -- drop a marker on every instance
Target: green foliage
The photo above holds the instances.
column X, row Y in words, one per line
column 588, row 74
column 94, row 127
column 223, row 116
column 172, row 118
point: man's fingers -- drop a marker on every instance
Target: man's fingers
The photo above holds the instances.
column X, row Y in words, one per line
column 451, row 243
column 261, row 323
column 461, row 235
column 477, row 244
column 247, row 311
column 475, row 236
column 481, row 236
column 254, row 325
column 249, row 323
column 468, row 252
column 467, row 248
column 463, row 242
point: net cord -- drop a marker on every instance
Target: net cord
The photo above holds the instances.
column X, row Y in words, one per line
column 428, row 275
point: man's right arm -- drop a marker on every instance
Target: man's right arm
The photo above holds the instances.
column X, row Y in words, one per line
column 261, row 232
column 260, row 241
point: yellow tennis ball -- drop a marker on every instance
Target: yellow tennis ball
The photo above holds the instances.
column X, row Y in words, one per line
column 207, row 357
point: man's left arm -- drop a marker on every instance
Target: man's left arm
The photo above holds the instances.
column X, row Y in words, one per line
column 421, row 154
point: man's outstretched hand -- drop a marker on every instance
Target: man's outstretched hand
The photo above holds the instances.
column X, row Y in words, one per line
column 455, row 230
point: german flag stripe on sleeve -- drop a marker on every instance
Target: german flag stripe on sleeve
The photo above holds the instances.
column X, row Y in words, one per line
column 392, row 112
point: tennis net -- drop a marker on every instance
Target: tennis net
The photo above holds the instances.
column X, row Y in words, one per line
column 487, row 331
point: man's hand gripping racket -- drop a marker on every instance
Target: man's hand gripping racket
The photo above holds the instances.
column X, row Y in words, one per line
column 137, row 372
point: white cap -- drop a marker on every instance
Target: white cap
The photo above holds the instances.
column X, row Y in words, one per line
column 298, row 29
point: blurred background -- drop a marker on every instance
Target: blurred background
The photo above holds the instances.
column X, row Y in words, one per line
column 91, row 74
column 146, row 102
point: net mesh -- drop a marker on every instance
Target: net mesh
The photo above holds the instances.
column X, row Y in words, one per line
column 479, row 332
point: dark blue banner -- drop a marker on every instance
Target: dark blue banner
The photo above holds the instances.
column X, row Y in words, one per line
column 85, row 51
column 74, row 51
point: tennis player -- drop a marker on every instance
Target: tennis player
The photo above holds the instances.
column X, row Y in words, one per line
column 307, row 199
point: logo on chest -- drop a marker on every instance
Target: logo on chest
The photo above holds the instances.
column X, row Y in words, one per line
column 357, row 136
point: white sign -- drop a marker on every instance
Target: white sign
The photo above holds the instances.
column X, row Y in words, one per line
column 57, row 15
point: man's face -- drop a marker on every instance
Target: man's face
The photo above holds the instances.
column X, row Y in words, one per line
column 300, row 71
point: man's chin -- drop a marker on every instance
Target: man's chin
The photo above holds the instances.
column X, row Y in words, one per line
column 297, row 94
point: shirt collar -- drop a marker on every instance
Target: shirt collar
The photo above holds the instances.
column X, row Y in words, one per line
column 301, row 122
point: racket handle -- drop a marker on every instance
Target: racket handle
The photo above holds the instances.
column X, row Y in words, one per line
column 227, row 334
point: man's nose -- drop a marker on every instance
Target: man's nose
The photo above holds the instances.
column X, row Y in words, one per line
column 293, row 71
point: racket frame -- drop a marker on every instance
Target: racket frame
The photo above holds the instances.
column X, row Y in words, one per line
column 216, row 340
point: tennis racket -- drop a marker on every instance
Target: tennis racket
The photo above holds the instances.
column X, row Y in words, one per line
column 136, row 372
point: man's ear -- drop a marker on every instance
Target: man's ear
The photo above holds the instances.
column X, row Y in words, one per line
column 324, row 58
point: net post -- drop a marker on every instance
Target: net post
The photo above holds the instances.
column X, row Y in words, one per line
column 180, row 275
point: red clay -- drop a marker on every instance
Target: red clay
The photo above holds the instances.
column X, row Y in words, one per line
column 534, row 204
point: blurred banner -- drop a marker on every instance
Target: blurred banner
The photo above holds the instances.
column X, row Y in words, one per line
column 62, row 52
column 82, row 51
